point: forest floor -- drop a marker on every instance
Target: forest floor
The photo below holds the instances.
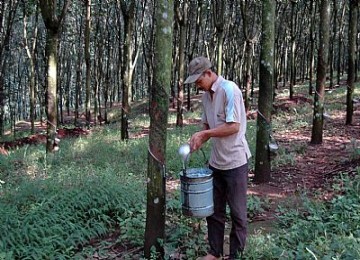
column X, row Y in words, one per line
column 312, row 170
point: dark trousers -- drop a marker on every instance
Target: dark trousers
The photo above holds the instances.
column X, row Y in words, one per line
column 230, row 187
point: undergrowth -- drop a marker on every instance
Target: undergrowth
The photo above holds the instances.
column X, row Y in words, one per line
column 187, row 236
column 92, row 186
column 53, row 208
column 315, row 230
column 52, row 219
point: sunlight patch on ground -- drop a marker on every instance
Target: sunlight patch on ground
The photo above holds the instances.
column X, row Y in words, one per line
column 267, row 190
column 270, row 194
column 172, row 185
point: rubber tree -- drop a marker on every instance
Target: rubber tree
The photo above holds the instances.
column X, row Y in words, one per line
column 332, row 43
column 181, row 18
column 219, row 9
column 30, row 48
column 353, row 18
column 322, row 62
column 266, row 82
column 312, row 37
column 128, row 12
column 341, row 36
column 293, row 28
column 193, row 42
column 250, row 35
column 87, row 62
column 78, row 77
column 53, row 20
column 7, row 18
column 159, row 107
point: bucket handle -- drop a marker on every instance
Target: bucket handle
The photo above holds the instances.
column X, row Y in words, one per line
column 185, row 162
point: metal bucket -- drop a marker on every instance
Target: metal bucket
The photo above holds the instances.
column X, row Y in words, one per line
column 197, row 192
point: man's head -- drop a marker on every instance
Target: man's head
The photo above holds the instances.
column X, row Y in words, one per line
column 196, row 68
column 201, row 74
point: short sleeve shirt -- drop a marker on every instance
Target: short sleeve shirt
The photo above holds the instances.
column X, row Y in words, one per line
column 226, row 106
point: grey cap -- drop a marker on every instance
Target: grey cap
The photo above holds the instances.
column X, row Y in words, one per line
column 196, row 67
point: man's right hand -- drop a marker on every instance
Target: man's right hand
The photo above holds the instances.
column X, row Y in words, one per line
column 197, row 140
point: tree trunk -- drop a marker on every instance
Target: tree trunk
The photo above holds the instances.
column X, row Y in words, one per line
column 7, row 15
column 52, row 39
column 59, row 95
column 181, row 15
column 332, row 45
column 262, row 160
column 248, row 78
column 324, row 28
column 218, row 14
column 68, row 97
column 128, row 11
column 340, row 41
column 53, row 24
column 175, row 58
column 353, row 19
column 107, row 87
column 293, row 49
column 194, row 43
column 286, row 57
column 248, row 54
column 312, row 45
column 159, row 102
column 87, row 62
column 30, row 51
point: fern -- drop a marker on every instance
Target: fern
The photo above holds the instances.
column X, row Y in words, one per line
column 52, row 219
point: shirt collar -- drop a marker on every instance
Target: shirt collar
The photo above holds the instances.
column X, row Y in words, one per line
column 216, row 84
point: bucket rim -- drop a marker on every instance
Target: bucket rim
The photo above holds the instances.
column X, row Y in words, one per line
column 194, row 173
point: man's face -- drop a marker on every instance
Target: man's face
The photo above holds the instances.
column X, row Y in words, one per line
column 203, row 82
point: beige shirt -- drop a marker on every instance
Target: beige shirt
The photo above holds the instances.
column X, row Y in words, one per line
column 226, row 105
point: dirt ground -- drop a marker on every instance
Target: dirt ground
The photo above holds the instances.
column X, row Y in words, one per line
column 318, row 164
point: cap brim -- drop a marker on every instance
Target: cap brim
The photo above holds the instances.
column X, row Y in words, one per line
column 192, row 78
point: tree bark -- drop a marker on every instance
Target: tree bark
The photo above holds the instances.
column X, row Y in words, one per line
column 7, row 16
column 219, row 8
column 53, row 23
column 181, row 14
column 159, row 102
column 128, row 11
column 332, row 45
column 313, row 5
column 353, row 19
column 87, row 62
column 248, row 55
column 51, row 104
column 340, row 40
column 293, row 48
column 262, row 159
column 194, row 44
column 323, row 52
column 30, row 51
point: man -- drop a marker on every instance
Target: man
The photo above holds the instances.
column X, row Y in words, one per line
column 224, row 121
